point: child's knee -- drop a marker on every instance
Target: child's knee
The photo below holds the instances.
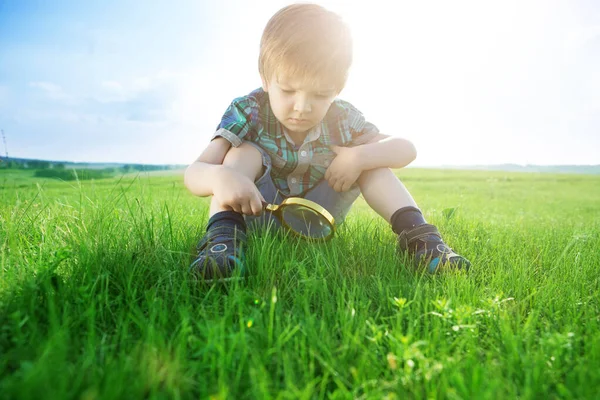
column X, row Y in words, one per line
column 371, row 174
column 247, row 159
column 245, row 151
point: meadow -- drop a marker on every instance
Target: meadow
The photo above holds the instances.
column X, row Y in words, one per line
column 96, row 301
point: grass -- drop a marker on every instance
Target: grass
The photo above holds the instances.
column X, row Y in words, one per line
column 96, row 302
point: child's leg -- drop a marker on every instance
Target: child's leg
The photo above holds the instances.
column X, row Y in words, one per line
column 388, row 197
column 338, row 204
column 220, row 251
column 384, row 192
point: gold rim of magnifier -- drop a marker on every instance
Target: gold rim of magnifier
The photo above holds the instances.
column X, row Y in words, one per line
column 276, row 209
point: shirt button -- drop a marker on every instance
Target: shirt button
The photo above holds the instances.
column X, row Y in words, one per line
column 303, row 153
column 293, row 180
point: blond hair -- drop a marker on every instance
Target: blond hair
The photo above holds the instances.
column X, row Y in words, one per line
column 308, row 42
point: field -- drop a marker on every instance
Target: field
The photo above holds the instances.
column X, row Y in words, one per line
column 96, row 301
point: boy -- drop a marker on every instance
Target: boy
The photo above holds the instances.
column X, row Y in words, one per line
column 292, row 137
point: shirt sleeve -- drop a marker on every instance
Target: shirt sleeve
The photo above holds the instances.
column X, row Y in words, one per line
column 361, row 131
column 236, row 123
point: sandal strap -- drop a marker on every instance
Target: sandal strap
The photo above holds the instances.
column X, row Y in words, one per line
column 222, row 234
column 406, row 238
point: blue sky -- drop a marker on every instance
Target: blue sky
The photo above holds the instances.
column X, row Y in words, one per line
column 469, row 82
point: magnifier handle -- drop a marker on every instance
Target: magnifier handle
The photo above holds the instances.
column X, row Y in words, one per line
column 270, row 207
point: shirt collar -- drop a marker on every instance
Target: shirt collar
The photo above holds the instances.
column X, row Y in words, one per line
column 313, row 134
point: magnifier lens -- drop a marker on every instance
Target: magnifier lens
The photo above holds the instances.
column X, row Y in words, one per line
column 306, row 221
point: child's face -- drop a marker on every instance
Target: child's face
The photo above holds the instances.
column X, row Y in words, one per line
column 297, row 106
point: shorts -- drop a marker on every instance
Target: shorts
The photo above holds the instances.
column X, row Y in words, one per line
column 338, row 204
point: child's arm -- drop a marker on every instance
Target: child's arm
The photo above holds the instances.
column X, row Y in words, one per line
column 201, row 175
column 383, row 151
column 233, row 190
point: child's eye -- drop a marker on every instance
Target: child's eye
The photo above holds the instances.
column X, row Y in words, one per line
column 286, row 91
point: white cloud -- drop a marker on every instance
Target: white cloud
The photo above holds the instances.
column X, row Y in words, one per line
column 52, row 90
column 582, row 36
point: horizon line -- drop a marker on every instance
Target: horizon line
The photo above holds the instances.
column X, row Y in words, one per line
column 2, row 158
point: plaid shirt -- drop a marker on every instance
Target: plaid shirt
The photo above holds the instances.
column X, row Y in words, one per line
column 296, row 168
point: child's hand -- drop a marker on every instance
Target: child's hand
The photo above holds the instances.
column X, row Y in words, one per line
column 237, row 192
column 344, row 169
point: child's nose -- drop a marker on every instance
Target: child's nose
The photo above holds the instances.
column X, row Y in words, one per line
column 302, row 105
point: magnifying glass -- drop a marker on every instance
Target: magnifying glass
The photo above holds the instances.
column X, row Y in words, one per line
column 304, row 218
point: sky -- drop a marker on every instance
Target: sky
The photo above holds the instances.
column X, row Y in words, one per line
column 468, row 82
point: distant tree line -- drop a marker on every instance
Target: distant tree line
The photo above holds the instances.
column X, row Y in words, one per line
column 29, row 164
column 12, row 163
column 77, row 171
column 144, row 167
